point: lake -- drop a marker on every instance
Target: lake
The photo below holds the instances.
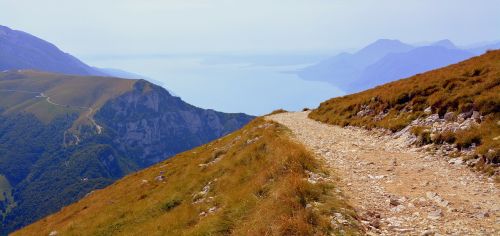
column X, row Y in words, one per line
column 254, row 84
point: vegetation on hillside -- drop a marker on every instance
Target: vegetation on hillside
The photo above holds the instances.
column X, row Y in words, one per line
column 43, row 174
column 472, row 85
column 251, row 182
column 51, row 154
column 68, row 90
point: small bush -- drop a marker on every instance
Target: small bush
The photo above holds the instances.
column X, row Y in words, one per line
column 445, row 137
column 171, row 204
column 277, row 112
column 465, row 139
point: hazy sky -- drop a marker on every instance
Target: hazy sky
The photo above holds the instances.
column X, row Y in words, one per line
column 90, row 27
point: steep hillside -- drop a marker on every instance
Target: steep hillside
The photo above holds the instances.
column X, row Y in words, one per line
column 457, row 105
column 20, row 50
column 62, row 136
column 252, row 182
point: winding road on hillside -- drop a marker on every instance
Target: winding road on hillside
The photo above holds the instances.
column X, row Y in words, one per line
column 399, row 190
column 49, row 100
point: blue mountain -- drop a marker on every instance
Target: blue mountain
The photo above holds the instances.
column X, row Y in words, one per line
column 344, row 68
column 20, row 50
column 387, row 60
column 396, row 66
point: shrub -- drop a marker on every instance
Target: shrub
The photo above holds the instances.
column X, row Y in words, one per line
column 171, row 204
column 423, row 134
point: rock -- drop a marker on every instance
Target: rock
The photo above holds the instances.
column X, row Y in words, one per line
column 476, row 116
column 53, row 233
column 434, row 137
column 212, row 210
column 432, row 118
column 376, row 177
column 472, row 162
column 375, row 223
column 394, row 202
column 365, row 111
column 398, row 208
column 428, row 110
column 465, row 115
column 428, row 233
column 482, row 215
column 403, row 230
column 394, row 221
column 437, row 199
column 456, row 161
column 340, row 218
column 449, row 116
column 435, row 215
column 159, row 178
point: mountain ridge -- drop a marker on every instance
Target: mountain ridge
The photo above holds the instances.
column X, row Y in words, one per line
column 71, row 134
column 20, row 50
column 352, row 72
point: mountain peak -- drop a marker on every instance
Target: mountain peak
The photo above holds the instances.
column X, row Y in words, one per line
column 382, row 46
column 446, row 43
column 21, row 50
column 4, row 30
column 385, row 43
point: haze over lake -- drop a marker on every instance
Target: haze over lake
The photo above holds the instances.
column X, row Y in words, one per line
column 254, row 84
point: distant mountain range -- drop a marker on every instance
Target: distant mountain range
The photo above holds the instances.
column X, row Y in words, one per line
column 387, row 60
column 73, row 129
column 20, row 50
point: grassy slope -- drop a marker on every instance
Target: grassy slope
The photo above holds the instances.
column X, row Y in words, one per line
column 62, row 89
column 473, row 84
column 5, row 196
column 4, row 186
column 257, row 187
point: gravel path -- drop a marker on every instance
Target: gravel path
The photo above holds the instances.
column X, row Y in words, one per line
column 398, row 190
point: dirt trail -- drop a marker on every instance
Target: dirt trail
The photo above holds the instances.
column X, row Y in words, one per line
column 89, row 114
column 399, row 190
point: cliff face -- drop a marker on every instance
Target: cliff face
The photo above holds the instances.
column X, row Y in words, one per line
column 150, row 124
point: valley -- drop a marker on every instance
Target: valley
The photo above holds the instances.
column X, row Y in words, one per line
column 229, row 118
column 62, row 136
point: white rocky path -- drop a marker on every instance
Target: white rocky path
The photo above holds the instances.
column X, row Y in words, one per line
column 398, row 190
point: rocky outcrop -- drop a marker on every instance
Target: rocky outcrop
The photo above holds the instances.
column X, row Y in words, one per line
column 151, row 124
column 433, row 127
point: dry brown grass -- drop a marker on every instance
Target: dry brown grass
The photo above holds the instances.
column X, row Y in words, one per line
column 74, row 91
column 257, row 182
column 277, row 112
column 470, row 85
